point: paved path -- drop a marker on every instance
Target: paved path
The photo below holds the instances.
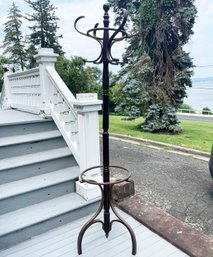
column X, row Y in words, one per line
column 179, row 184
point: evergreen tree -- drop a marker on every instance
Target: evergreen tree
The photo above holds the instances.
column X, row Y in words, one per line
column 158, row 65
column 44, row 27
column 13, row 40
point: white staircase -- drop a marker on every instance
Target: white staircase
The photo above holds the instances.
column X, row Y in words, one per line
column 37, row 179
column 47, row 137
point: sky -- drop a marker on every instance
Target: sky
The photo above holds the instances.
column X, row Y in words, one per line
column 200, row 45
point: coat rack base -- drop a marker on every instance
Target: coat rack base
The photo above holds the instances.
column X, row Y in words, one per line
column 94, row 218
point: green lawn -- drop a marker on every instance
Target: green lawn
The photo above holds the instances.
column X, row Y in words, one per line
column 196, row 134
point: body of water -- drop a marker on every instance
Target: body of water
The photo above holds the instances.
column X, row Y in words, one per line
column 200, row 95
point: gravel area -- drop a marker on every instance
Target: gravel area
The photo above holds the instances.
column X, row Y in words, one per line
column 178, row 184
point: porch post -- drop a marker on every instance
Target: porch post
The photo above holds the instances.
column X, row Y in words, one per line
column 45, row 57
column 6, row 87
column 87, row 107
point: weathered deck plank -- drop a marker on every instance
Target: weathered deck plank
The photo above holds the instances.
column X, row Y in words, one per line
column 63, row 242
column 9, row 117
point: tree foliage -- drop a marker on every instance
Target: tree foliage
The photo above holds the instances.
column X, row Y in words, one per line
column 159, row 69
column 44, row 27
column 13, row 43
column 78, row 77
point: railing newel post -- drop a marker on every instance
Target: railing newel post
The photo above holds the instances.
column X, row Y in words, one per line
column 87, row 107
column 45, row 57
column 6, row 87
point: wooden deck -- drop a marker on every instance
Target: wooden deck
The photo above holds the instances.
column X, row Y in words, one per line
column 9, row 117
column 63, row 242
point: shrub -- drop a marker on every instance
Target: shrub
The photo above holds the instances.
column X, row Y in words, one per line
column 160, row 119
column 186, row 108
column 206, row 110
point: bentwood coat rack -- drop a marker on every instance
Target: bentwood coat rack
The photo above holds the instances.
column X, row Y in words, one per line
column 107, row 40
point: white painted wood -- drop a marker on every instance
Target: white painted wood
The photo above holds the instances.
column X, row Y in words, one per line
column 61, row 102
column 42, row 91
column 88, row 191
column 14, row 117
column 37, row 182
column 24, row 220
column 26, row 108
column 66, row 116
column 93, row 243
column 54, row 236
column 25, row 89
column 167, row 250
column 71, row 126
column 60, row 85
column 20, row 139
column 88, row 126
column 63, row 242
column 39, row 212
column 87, row 108
column 14, row 162
column 21, row 74
column 6, row 97
column 44, row 58
column 73, row 145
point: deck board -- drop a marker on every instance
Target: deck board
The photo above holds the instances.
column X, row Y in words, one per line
column 63, row 242
column 9, row 117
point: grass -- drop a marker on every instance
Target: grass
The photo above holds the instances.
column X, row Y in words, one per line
column 196, row 134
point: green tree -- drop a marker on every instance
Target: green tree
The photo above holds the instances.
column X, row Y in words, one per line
column 78, row 77
column 44, row 28
column 30, row 53
column 158, row 65
column 13, row 41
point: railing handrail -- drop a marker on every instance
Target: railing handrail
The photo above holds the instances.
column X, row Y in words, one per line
column 67, row 95
column 23, row 73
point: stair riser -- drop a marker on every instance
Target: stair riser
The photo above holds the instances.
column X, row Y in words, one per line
column 23, row 129
column 24, row 234
column 27, row 171
column 30, row 148
column 30, row 198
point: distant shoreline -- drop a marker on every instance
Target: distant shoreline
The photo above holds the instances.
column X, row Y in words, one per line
column 200, row 95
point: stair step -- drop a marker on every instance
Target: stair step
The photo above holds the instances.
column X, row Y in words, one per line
column 13, row 117
column 31, row 147
column 27, row 128
column 36, row 213
column 37, row 179
column 20, row 139
column 35, row 183
column 37, row 157
column 24, row 223
column 22, row 193
column 36, row 169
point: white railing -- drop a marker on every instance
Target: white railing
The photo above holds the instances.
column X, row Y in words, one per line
column 62, row 110
column 41, row 91
column 24, row 90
